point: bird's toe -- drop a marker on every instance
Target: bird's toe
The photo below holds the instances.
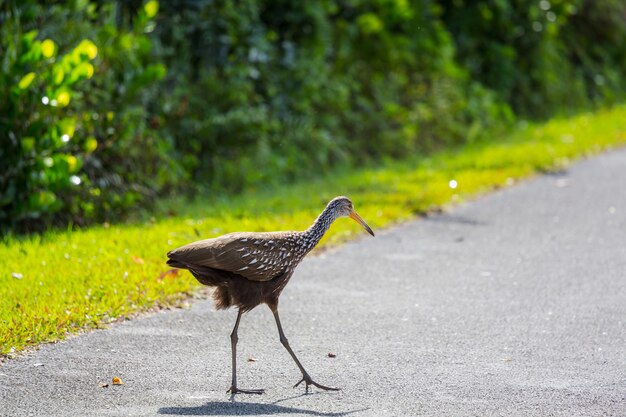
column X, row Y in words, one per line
column 309, row 381
column 235, row 390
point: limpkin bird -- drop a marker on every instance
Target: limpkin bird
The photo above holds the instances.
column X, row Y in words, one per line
column 247, row 269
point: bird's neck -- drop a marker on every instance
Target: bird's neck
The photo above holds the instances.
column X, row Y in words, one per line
column 319, row 227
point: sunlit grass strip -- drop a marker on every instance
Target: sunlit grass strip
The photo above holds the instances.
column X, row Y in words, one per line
column 63, row 282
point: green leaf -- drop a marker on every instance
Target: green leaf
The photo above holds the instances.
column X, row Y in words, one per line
column 369, row 23
column 72, row 163
column 26, row 81
column 155, row 71
column 42, row 199
column 91, row 144
column 28, row 143
column 59, row 75
column 29, row 37
column 63, row 99
column 67, row 126
column 48, row 48
column 151, row 8
column 87, row 47
column 84, row 70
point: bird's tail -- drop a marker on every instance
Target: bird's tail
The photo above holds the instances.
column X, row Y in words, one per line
column 204, row 274
column 176, row 264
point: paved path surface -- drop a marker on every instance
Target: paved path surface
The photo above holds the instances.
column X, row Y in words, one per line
column 514, row 304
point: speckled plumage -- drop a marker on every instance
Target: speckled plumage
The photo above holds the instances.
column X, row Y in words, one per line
column 250, row 268
column 247, row 269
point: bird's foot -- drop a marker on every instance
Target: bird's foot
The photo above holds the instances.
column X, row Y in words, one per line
column 235, row 390
column 308, row 381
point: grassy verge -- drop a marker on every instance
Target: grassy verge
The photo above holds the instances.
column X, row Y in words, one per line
column 62, row 282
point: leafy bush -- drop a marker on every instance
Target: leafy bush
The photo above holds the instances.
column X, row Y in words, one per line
column 544, row 56
column 269, row 91
column 237, row 94
column 78, row 138
column 594, row 39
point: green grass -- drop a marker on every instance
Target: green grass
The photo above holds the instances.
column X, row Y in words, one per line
column 66, row 281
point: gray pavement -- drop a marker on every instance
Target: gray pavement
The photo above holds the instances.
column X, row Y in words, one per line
column 510, row 305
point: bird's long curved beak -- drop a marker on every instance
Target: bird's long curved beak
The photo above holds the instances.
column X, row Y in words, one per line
column 360, row 221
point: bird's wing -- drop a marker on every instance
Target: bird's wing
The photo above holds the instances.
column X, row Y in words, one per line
column 255, row 256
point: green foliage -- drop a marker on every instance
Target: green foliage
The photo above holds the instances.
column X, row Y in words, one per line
column 542, row 57
column 78, row 140
column 594, row 38
column 37, row 87
column 268, row 91
column 227, row 95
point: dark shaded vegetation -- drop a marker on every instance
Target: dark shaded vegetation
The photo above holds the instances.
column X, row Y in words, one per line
column 105, row 106
column 542, row 57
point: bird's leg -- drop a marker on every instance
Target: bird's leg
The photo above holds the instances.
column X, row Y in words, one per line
column 306, row 378
column 233, row 344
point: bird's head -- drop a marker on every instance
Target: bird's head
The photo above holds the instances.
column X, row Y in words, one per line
column 342, row 207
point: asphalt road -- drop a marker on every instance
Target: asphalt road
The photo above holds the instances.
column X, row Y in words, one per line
column 514, row 304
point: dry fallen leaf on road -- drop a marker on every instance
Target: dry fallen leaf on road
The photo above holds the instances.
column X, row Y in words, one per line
column 104, row 385
column 117, row 381
column 251, row 359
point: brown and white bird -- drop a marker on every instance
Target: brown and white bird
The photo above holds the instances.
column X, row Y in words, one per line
column 248, row 269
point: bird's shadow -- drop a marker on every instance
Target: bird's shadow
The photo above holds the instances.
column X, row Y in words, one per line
column 451, row 218
column 233, row 408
